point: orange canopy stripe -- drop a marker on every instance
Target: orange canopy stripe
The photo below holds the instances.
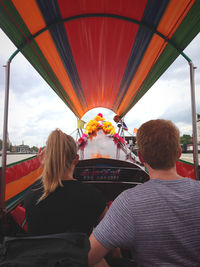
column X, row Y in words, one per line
column 31, row 14
column 35, row 22
column 175, row 13
column 48, row 48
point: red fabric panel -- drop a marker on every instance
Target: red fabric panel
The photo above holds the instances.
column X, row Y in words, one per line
column 19, row 215
column 96, row 46
column 185, row 170
column 17, row 171
column 129, row 8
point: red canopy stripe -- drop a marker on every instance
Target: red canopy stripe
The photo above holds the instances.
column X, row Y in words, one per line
column 95, row 50
column 95, row 44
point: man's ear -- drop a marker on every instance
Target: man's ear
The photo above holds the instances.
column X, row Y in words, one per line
column 179, row 152
column 140, row 157
column 76, row 159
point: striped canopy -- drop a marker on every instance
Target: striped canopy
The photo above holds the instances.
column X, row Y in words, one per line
column 100, row 53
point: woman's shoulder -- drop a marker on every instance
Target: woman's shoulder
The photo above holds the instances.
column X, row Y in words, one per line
column 35, row 191
column 83, row 188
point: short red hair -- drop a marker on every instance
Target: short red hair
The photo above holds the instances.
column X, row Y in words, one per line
column 158, row 142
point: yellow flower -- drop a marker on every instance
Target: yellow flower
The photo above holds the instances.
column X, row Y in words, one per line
column 98, row 118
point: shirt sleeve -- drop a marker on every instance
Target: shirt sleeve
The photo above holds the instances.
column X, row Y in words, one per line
column 117, row 227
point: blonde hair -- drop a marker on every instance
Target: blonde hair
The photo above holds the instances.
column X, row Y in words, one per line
column 60, row 153
column 158, row 142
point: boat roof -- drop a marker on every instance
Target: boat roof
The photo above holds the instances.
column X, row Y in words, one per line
column 100, row 53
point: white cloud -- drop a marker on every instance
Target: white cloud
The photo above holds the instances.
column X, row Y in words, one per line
column 31, row 120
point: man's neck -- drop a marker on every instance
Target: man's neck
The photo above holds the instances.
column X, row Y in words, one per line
column 169, row 174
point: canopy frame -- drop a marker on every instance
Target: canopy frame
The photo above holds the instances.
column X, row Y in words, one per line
column 107, row 15
column 4, row 145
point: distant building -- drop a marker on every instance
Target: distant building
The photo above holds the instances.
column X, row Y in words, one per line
column 21, row 149
column 24, row 148
column 14, row 149
column 190, row 148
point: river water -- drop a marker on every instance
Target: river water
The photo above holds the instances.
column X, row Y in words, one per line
column 188, row 157
column 14, row 158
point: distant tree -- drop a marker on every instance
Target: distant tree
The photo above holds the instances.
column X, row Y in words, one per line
column 34, row 148
column 185, row 140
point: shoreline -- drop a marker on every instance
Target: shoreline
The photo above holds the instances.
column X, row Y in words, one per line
column 18, row 153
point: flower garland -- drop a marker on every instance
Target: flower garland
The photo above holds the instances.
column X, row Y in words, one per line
column 97, row 123
column 93, row 126
column 118, row 138
column 82, row 140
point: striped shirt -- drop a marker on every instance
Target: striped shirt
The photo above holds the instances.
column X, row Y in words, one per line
column 159, row 221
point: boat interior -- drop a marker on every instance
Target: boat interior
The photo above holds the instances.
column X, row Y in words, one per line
column 94, row 54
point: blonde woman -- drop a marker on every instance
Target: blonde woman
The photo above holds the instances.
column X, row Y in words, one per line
column 60, row 203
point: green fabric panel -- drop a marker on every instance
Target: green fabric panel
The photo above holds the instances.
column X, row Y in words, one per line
column 188, row 163
column 188, row 29
column 14, row 201
column 12, row 31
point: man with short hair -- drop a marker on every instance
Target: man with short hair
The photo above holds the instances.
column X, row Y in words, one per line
column 159, row 221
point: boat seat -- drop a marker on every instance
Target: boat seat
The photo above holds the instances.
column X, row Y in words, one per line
column 66, row 249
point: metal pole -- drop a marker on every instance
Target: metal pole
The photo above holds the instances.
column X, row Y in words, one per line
column 194, row 123
column 5, row 133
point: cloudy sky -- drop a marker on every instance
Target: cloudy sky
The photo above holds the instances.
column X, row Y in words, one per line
column 35, row 110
